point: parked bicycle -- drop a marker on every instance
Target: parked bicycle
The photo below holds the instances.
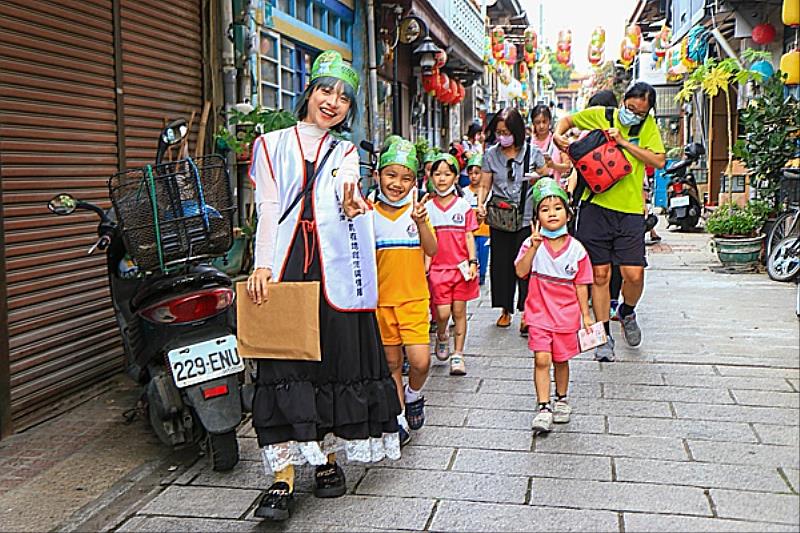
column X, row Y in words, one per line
column 783, row 241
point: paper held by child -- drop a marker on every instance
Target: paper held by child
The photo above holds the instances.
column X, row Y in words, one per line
column 463, row 266
column 592, row 337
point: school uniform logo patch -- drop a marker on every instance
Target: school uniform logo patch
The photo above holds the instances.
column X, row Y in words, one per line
column 458, row 218
column 412, row 230
column 334, row 172
column 571, row 269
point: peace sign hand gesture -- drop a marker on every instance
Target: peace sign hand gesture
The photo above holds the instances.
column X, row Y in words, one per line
column 352, row 205
column 419, row 212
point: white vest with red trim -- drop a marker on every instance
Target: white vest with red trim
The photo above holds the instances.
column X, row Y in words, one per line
column 347, row 246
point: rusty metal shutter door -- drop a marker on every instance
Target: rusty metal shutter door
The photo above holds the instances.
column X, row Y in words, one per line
column 57, row 133
column 162, row 63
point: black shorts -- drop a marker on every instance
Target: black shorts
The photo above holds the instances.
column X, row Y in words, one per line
column 611, row 237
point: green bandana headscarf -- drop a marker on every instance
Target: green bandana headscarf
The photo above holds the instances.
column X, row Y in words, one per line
column 450, row 158
column 476, row 160
column 330, row 63
column 545, row 188
column 430, row 156
column 402, row 153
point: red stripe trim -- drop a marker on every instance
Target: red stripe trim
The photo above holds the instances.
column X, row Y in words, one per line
column 552, row 279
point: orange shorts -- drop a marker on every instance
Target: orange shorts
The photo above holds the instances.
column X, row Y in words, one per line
column 405, row 324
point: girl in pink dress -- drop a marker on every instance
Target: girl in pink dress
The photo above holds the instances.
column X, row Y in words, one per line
column 558, row 298
column 543, row 138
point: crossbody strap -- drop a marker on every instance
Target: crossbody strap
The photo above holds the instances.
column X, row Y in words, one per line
column 526, row 166
column 310, row 182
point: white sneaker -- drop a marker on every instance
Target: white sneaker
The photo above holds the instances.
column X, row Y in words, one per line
column 543, row 422
column 561, row 412
column 443, row 348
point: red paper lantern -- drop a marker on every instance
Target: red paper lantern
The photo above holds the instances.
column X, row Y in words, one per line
column 440, row 58
column 764, row 33
column 429, row 83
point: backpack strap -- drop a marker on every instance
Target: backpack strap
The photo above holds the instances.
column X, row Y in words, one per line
column 633, row 131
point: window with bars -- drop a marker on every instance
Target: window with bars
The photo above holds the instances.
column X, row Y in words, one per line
column 318, row 16
column 284, row 69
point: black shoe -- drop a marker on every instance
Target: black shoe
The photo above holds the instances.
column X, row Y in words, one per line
column 276, row 503
column 329, row 481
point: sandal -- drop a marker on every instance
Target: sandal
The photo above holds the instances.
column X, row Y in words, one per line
column 276, row 503
column 504, row 321
column 329, row 481
column 415, row 413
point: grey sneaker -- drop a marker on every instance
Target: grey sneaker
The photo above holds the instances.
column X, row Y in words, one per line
column 561, row 412
column 605, row 352
column 543, row 422
column 631, row 331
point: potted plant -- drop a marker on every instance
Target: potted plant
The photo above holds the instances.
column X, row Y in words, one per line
column 248, row 126
column 737, row 236
column 771, row 124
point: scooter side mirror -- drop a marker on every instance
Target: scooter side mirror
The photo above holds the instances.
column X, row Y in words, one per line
column 63, row 204
column 174, row 132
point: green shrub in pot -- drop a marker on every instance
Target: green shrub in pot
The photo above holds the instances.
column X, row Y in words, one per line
column 733, row 220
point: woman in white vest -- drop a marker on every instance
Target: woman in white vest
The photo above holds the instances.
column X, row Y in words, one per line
column 313, row 225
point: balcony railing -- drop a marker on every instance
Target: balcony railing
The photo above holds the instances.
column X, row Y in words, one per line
column 464, row 20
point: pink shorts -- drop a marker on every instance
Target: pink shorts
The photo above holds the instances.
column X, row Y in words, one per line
column 563, row 346
column 448, row 286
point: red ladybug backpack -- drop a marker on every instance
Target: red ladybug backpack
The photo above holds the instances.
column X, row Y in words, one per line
column 600, row 162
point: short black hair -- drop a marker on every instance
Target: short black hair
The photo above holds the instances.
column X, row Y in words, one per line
column 474, row 129
column 301, row 109
column 604, row 98
column 437, row 164
column 542, row 110
column 641, row 89
column 515, row 124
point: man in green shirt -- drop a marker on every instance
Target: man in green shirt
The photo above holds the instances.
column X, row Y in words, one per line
column 611, row 225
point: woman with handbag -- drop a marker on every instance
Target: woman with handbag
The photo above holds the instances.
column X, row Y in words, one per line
column 312, row 219
column 507, row 172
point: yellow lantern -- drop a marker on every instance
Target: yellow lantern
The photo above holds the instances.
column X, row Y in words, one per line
column 791, row 12
column 790, row 65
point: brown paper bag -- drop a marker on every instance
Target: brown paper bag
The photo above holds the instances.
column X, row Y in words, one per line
column 286, row 326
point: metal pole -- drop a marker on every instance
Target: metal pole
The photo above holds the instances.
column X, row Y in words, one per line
column 373, row 72
column 396, row 101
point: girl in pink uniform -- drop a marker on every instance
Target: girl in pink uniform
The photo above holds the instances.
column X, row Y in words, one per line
column 453, row 274
column 558, row 298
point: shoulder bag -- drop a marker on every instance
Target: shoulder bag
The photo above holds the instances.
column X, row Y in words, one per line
column 506, row 214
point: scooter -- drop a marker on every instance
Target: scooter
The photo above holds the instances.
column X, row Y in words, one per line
column 683, row 196
column 178, row 333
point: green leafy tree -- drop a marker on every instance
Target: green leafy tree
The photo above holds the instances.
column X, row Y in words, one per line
column 714, row 76
column 771, row 125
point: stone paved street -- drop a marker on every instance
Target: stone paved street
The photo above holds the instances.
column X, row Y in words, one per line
column 696, row 430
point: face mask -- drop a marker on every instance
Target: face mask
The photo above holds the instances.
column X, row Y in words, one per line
column 452, row 189
column 505, row 140
column 628, row 118
column 553, row 234
column 399, row 203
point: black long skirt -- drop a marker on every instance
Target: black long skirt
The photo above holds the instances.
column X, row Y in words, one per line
column 349, row 394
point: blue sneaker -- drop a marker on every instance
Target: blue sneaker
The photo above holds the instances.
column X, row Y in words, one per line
column 405, row 436
column 415, row 413
column 613, row 311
